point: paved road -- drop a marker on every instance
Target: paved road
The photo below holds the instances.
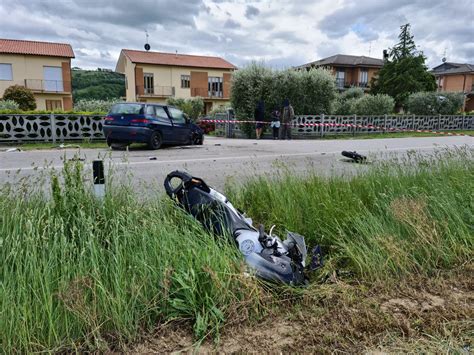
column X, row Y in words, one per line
column 219, row 160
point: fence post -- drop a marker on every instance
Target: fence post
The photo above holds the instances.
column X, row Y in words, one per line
column 385, row 123
column 463, row 119
column 53, row 126
column 413, row 122
column 322, row 125
column 439, row 122
column 354, row 125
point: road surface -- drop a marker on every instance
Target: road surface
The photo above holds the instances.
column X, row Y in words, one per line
column 220, row 159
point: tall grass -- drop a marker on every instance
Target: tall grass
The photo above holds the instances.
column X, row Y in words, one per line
column 411, row 215
column 80, row 273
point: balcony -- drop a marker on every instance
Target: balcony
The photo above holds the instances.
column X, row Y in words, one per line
column 155, row 91
column 341, row 84
column 46, row 86
column 205, row 93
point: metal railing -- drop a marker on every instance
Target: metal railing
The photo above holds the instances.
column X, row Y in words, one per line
column 157, row 91
column 342, row 83
column 203, row 92
column 46, row 85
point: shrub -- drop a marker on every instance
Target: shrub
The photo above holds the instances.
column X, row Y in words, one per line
column 352, row 93
column 309, row 92
column 94, row 105
column 434, row 103
column 9, row 105
column 22, row 96
column 379, row 104
column 192, row 107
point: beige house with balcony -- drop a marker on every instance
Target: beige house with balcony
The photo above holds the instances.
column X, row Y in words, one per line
column 349, row 70
column 43, row 67
column 155, row 76
column 456, row 77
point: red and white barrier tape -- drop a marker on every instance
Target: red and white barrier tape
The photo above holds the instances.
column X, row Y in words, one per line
column 344, row 125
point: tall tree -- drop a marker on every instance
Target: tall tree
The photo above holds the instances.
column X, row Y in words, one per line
column 405, row 72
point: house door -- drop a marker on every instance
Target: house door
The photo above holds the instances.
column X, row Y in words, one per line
column 207, row 107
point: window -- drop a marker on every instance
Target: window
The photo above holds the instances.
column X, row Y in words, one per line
column 6, row 72
column 53, row 79
column 160, row 112
column 150, row 110
column 214, row 86
column 177, row 115
column 185, row 81
column 340, row 77
column 148, row 82
column 126, row 109
column 52, row 105
column 363, row 77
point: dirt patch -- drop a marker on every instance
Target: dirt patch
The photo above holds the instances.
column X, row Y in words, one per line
column 417, row 315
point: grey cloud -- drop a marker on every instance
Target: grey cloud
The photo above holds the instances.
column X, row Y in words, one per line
column 231, row 24
column 251, row 11
column 289, row 37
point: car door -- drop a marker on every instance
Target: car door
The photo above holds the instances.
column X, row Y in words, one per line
column 181, row 128
column 163, row 124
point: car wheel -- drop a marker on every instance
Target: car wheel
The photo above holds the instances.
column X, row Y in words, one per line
column 155, row 141
column 197, row 139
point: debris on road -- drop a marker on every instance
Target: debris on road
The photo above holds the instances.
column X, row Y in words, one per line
column 358, row 158
column 266, row 254
column 64, row 146
column 153, row 158
column 9, row 150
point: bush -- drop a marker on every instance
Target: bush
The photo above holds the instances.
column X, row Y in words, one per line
column 352, row 93
column 94, row 105
column 9, row 105
column 379, row 104
column 22, row 96
column 309, row 92
column 434, row 103
column 192, row 107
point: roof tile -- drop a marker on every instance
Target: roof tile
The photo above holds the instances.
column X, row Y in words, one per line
column 14, row 46
column 183, row 60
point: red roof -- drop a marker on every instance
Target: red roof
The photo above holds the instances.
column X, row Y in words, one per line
column 15, row 46
column 182, row 60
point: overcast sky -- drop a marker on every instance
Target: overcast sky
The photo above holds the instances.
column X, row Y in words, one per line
column 281, row 33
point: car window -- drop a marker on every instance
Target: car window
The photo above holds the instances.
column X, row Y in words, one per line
column 177, row 115
column 150, row 110
column 125, row 109
column 161, row 113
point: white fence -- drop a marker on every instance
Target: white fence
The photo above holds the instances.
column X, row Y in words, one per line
column 321, row 125
column 50, row 127
column 57, row 127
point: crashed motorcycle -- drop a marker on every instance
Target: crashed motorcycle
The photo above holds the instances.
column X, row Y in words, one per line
column 268, row 256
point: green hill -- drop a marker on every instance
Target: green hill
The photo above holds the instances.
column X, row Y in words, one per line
column 100, row 84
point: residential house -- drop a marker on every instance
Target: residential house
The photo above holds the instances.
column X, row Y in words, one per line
column 155, row 76
column 456, row 77
column 349, row 70
column 43, row 67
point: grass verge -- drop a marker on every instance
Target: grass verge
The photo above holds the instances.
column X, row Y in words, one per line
column 84, row 274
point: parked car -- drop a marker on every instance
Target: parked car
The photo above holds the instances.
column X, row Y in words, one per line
column 153, row 124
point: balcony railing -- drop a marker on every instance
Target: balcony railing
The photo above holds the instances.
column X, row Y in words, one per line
column 156, row 91
column 342, row 83
column 203, row 92
column 47, row 85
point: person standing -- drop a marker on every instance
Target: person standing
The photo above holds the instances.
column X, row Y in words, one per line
column 275, row 124
column 259, row 117
column 286, row 117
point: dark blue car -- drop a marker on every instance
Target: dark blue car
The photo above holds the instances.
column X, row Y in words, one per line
column 153, row 124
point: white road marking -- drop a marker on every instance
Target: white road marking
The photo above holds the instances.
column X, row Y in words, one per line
column 242, row 157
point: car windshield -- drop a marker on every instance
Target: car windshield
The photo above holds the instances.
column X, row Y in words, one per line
column 126, row 109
